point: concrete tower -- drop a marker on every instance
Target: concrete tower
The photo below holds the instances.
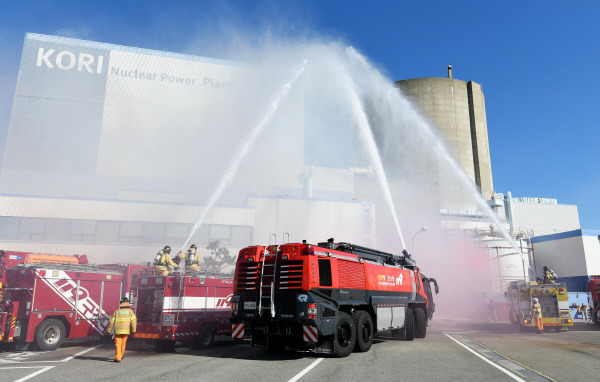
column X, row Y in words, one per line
column 458, row 109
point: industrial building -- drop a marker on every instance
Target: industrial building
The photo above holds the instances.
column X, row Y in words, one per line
column 457, row 108
column 573, row 255
column 113, row 152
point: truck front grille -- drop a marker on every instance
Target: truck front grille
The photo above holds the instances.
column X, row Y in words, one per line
column 248, row 277
column 290, row 274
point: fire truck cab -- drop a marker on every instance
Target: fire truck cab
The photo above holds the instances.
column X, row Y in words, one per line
column 328, row 298
column 552, row 297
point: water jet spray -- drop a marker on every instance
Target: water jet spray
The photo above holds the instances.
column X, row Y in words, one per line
column 243, row 151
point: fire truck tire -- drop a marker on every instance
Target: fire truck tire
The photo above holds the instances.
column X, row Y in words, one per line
column 364, row 331
column 420, row 323
column 50, row 334
column 409, row 325
column 206, row 338
column 165, row 346
column 345, row 335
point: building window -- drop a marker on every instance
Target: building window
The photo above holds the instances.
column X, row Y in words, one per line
column 131, row 232
column 107, row 232
column 57, row 230
column 241, row 236
column 32, row 229
column 154, row 232
column 9, row 227
column 83, row 230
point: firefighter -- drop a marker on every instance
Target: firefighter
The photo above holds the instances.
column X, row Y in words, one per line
column 492, row 311
column 584, row 311
column 163, row 262
column 537, row 315
column 124, row 322
column 192, row 259
column 549, row 276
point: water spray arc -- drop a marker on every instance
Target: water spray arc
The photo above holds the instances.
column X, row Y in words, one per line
column 243, row 152
column 393, row 96
column 366, row 136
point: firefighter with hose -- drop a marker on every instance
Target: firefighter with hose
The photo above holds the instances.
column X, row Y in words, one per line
column 537, row 315
column 163, row 262
column 124, row 322
column 192, row 259
column 549, row 276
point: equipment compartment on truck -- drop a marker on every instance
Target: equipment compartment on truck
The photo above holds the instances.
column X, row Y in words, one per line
column 192, row 309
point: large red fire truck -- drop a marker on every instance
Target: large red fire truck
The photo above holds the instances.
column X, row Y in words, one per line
column 593, row 288
column 328, row 298
column 45, row 299
column 191, row 308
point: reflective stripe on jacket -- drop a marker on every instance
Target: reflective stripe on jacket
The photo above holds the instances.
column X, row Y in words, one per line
column 537, row 310
column 166, row 260
column 123, row 320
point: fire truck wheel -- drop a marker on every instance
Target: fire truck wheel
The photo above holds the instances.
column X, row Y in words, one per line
column 364, row 331
column 165, row 346
column 420, row 323
column 206, row 338
column 50, row 334
column 409, row 325
column 345, row 335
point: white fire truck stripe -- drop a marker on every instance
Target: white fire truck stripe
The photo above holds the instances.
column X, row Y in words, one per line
column 103, row 317
column 309, row 333
column 196, row 303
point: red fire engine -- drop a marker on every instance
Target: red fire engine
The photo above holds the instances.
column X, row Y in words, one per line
column 45, row 299
column 328, row 298
column 593, row 287
column 191, row 308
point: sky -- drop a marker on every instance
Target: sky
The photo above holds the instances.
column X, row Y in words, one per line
column 537, row 63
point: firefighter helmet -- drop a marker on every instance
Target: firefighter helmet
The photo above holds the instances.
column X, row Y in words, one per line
column 194, row 246
column 124, row 299
column 535, row 300
column 167, row 249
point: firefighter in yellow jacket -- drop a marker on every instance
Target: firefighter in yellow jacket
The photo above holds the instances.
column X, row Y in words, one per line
column 537, row 315
column 163, row 262
column 192, row 259
column 124, row 322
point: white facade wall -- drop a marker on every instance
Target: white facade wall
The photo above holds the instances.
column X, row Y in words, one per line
column 573, row 255
column 313, row 220
column 565, row 256
column 543, row 218
column 591, row 246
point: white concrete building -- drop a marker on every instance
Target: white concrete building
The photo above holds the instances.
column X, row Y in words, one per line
column 572, row 255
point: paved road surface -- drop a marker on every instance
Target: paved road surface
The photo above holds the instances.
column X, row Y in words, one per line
column 451, row 351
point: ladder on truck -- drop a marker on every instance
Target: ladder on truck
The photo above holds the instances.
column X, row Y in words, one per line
column 266, row 291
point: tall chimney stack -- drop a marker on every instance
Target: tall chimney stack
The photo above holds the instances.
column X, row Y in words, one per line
column 449, row 71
